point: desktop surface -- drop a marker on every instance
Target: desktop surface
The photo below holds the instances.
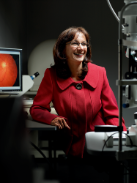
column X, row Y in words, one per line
column 35, row 125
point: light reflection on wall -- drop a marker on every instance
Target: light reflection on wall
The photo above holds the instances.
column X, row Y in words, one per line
column 40, row 59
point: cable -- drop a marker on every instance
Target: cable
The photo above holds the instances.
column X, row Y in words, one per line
column 114, row 134
column 109, row 4
column 40, row 153
column 129, row 139
column 107, row 140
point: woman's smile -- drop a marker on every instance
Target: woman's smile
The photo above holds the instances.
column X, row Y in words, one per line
column 79, row 56
column 76, row 51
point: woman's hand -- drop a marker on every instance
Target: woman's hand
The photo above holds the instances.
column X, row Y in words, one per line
column 59, row 122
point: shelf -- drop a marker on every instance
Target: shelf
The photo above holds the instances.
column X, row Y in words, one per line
column 31, row 93
column 126, row 82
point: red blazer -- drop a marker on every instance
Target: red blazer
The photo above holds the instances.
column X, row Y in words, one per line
column 94, row 104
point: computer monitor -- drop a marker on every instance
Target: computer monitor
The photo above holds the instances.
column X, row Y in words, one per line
column 10, row 70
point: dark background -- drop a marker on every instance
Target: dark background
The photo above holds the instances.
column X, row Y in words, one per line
column 26, row 23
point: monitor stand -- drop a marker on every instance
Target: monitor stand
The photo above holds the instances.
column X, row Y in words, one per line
column 27, row 83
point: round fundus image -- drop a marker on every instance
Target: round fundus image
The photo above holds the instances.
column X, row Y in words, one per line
column 8, row 70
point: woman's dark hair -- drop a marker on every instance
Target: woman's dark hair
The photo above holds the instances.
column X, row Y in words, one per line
column 61, row 65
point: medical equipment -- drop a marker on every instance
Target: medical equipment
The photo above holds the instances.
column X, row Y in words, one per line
column 129, row 29
column 129, row 14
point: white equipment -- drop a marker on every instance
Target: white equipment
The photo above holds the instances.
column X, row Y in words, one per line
column 129, row 29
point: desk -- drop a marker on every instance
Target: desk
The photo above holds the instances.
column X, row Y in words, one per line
column 37, row 126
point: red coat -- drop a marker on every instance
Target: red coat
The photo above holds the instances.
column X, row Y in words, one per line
column 94, row 104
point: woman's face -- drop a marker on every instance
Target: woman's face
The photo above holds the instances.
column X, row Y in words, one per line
column 75, row 51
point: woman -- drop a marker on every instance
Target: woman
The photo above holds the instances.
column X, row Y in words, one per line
column 79, row 90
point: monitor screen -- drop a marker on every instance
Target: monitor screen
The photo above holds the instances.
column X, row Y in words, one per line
column 10, row 69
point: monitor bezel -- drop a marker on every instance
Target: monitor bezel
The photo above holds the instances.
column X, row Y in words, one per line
column 11, row 51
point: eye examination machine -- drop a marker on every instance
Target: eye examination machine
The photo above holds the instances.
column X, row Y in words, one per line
column 113, row 140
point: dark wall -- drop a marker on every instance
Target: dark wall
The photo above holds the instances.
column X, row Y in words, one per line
column 26, row 23
column 47, row 19
column 13, row 26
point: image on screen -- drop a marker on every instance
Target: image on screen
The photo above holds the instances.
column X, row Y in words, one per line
column 10, row 69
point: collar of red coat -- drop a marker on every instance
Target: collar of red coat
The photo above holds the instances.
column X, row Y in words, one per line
column 91, row 78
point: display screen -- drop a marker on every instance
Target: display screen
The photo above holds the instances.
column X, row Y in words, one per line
column 10, row 69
